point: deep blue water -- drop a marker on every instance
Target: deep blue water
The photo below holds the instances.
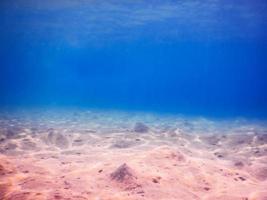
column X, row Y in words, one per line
column 184, row 56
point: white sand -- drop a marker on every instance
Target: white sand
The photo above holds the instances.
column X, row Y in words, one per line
column 99, row 156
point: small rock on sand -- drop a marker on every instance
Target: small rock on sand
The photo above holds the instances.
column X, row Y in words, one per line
column 239, row 164
column 122, row 144
column 122, row 173
column 78, row 142
column 140, row 128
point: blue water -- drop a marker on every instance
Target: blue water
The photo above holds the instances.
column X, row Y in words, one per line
column 180, row 56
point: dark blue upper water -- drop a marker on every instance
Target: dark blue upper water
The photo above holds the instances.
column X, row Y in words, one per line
column 185, row 56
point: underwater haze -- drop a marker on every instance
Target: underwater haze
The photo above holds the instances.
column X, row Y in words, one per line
column 177, row 56
column 133, row 99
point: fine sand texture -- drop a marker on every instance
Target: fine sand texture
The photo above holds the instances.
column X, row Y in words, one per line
column 97, row 155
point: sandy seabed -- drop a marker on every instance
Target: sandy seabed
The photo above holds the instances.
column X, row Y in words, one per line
column 96, row 155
